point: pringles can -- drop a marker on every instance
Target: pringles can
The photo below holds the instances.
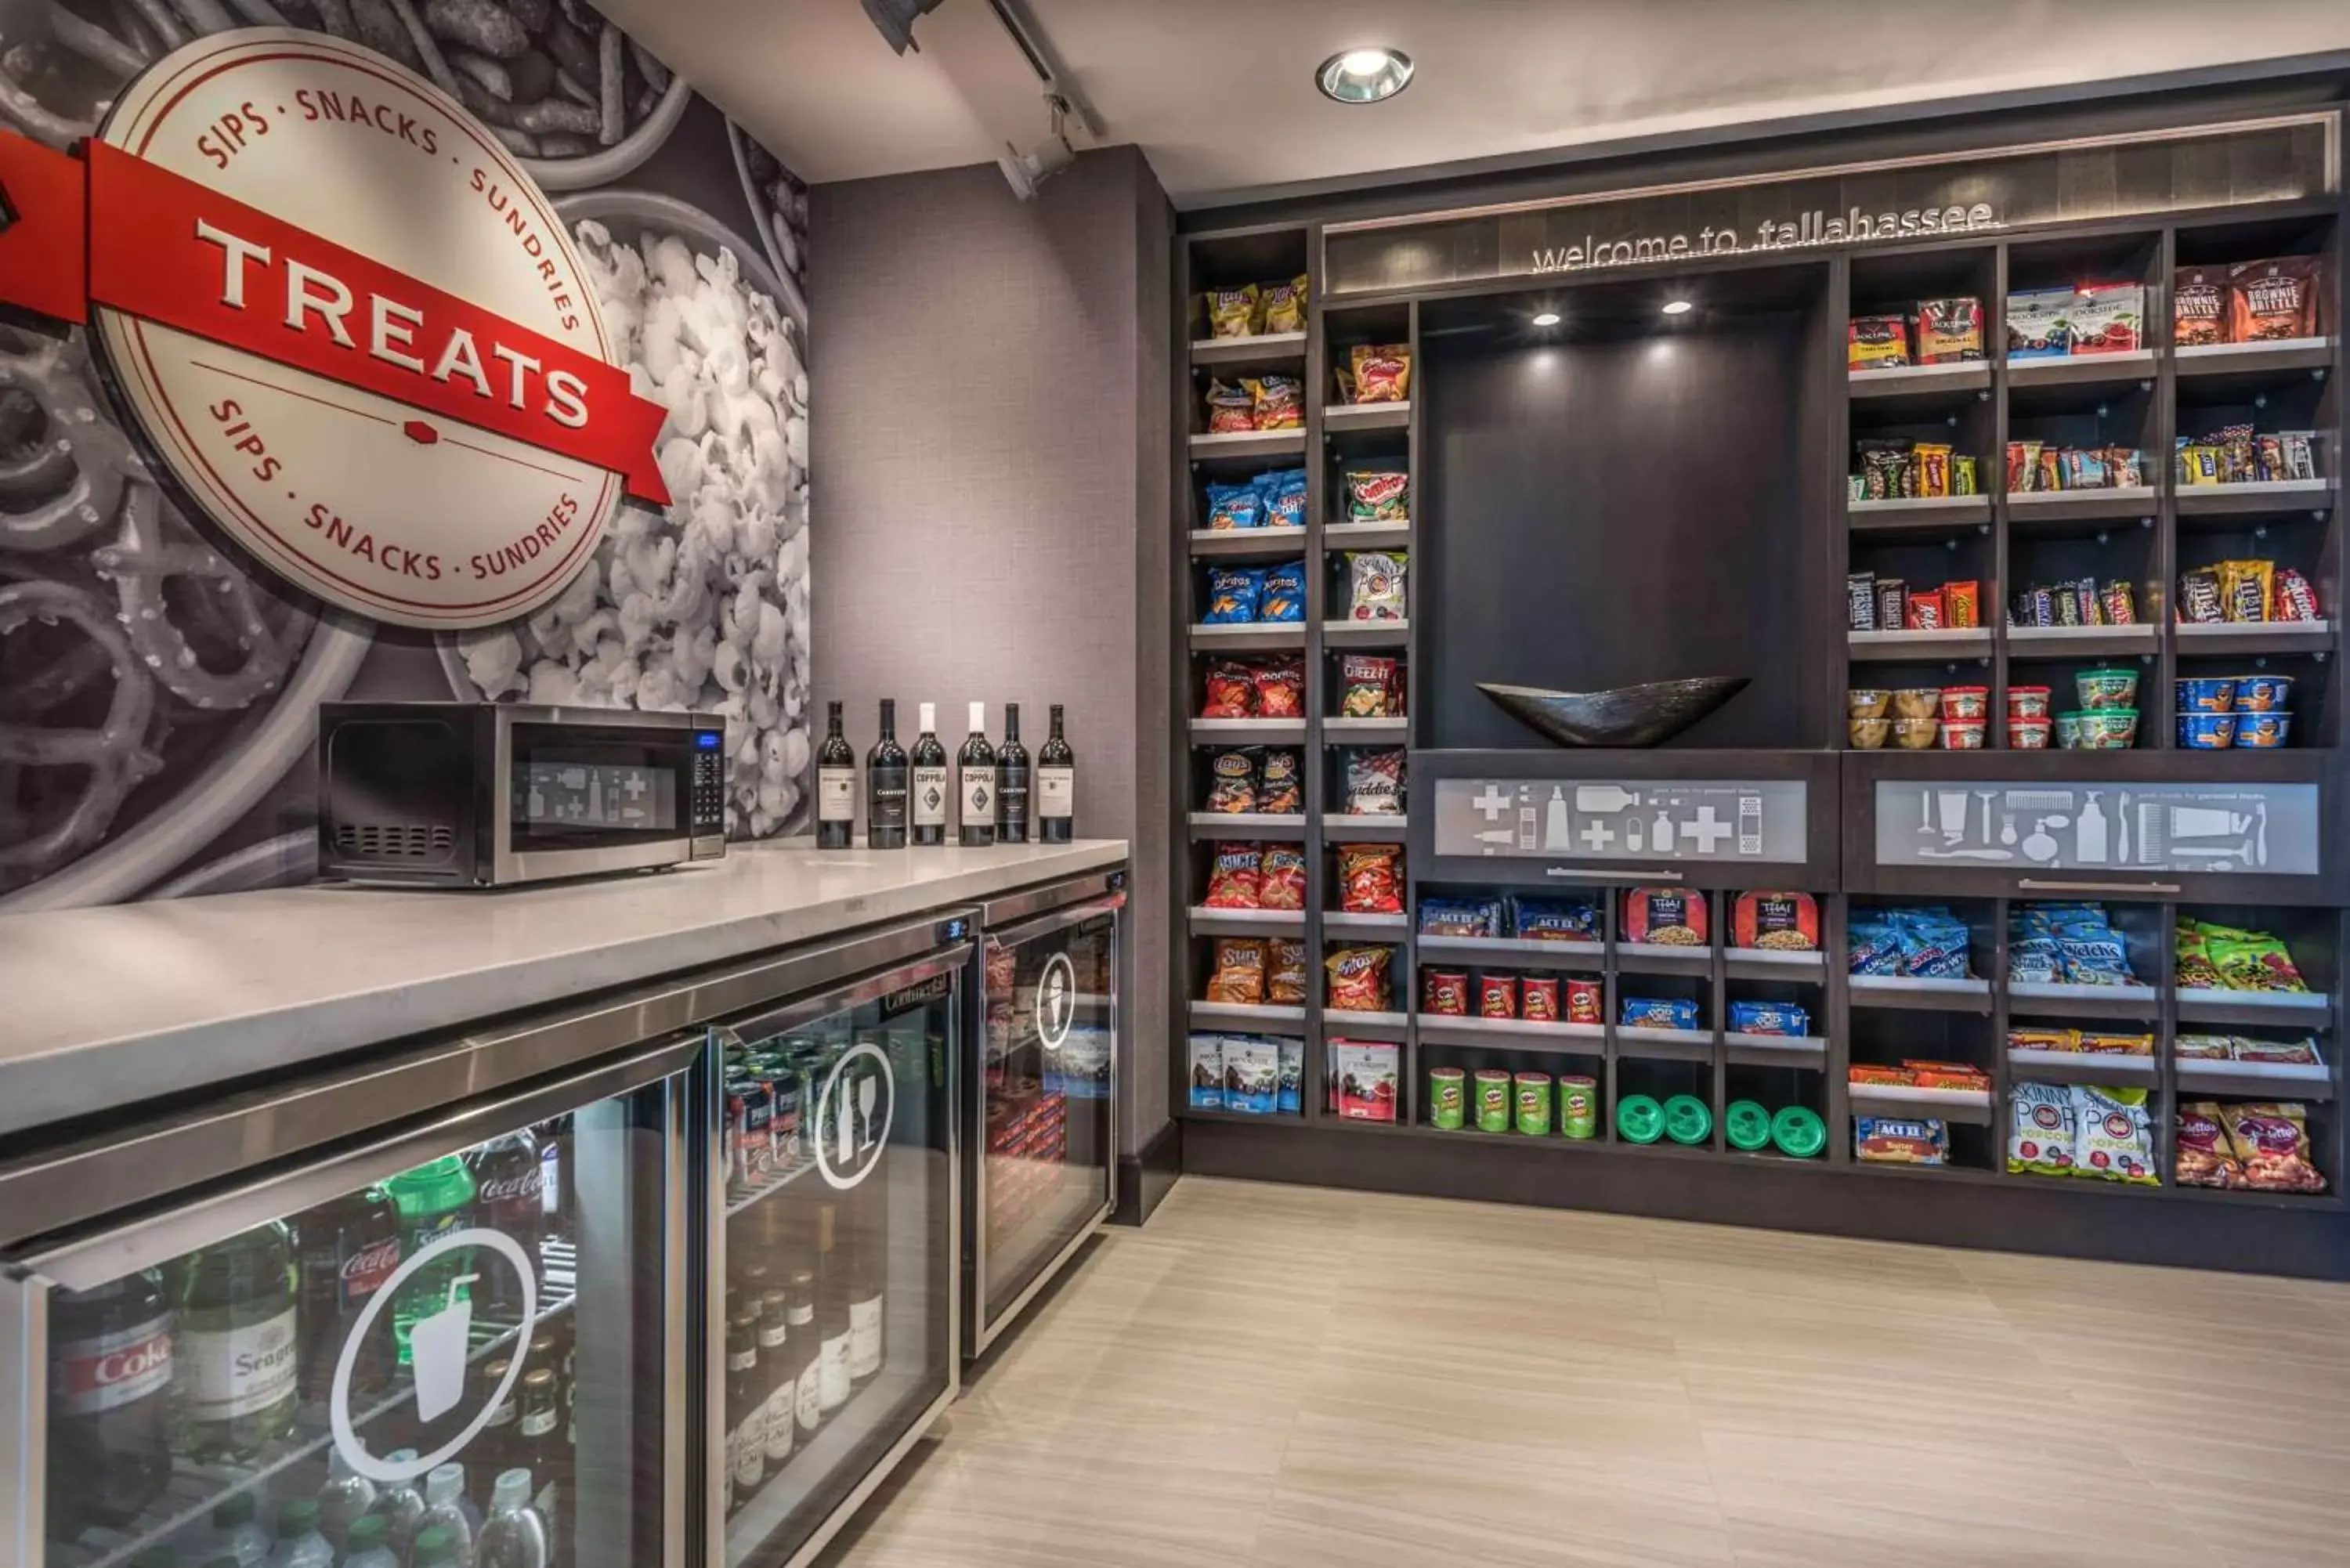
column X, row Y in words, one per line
column 1578, row 1107
column 1445, row 1102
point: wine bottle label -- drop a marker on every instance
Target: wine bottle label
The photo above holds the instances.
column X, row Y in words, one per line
column 1056, row 792
column 929, row 798
column 834, row 1387
column 733, row 1467
column 746, row 1450
column 779, row 1417
column 808, row 1398
column 221, row 1375
column 978, row 795
column 865, row 1337
column 1011, row 795
column 835, row 794
column 887, row 802
column 538, row 1423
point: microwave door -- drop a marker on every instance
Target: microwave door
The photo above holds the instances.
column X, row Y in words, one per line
column 576, row 798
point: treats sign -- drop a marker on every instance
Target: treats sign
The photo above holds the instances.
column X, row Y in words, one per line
column 352, row 329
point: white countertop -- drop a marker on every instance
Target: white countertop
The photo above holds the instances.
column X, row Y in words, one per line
column 181, row 993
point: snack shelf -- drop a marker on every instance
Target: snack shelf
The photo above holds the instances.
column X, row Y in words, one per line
column 1289, row 730
column 1664, row 1045
column 2083, row 641
column 1921, row 380
column 1917, row 513
column 2084, row 369
column 1366, row 416
column 1261, row 348
column 2245, row 1198
column 1955, row 642
column 1365, row 536
column 1524, row 950
column 2254, row 497
column 1347, row 921
column 2027, row 506
column 1242, row 1118
column 1249, row 445
column 1365, row 827
column 1662, row 958
column 2256, row 636
column 1776, row 1050
column 1929, row 995
column 1246, row 920
column 1247, row 825
column 2083, row 1001
column 1246, row 1016
column 2276, row 1009
column 2274, row 356
column 2299, row 1080
column 1963, row 1175
column 1273, row 543
column 1516, row 1033
column 1971, row 1105
column 1350, row 731
column 1774, row 963
column 1365, row 633
column 2083, row 1068
column 1248, row 637
column 1338, row 1024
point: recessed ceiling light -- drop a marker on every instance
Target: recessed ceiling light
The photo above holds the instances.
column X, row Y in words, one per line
column 1677, row 308
column 1547, row 318
column 1364, row 76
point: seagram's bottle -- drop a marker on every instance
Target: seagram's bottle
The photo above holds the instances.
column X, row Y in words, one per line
column 975, row 783
column 836, row 786
column 928, row 799
column 885, row 785
column 1057, row 787
column 1011, row 782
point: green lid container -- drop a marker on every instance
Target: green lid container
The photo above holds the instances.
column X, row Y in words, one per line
column 1639, row 1119
column 1688, row 1119
column 1798, row 1130
column 1747, row 1125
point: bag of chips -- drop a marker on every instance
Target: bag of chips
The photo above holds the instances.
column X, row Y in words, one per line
column 1281, row 497
column 1238, row 978
column 1285, row 983
column 1280, row 686
column 1282, row 884
column 1236, row 877
column 1279, row 789
column 1374, row 783
column 1367, row 687
column 1284, row 593
column 1234, row 594
column 1232, row 781
column 1232, row 312
column 2116, row 1137
column 1375, row 585
column 2042, row 1133
column 1231, row 690
column 1378, row 495
column 2273, row 1142
column 1370, row 879
column 1233, row 506
column 1359, row 979
column 1231, row 410
column 2205, row 1156
column 1382, row 372
column 1284, row 304
column 1275, row 403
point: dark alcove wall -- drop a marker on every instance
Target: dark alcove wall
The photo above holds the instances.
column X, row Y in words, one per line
column 1603, row 513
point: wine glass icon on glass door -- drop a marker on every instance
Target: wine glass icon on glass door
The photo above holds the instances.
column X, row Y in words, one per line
column 853, row 1114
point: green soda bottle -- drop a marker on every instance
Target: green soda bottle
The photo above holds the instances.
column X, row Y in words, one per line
column 434, row 1199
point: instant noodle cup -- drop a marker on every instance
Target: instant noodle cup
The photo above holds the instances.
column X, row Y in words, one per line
column 2213, row 694
column 1917, row 702
column 2115, row 687
column 2027, row 701
column 1864, row 703
column 2207, row 731
column 2264, row 694
column 2109, row 730
column 1962, row 735
column 2261, row 731
column 1966, row 701
column 1917, row 734
column 1867, row 735
column 2028, row 734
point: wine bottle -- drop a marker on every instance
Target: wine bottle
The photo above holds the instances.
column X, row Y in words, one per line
column 1011, row 782
column 930, row 796
column 866, row 1254
column 1057, row 787
column 807, row 1358
column 975, row 783
column 836, row 786
column 885, row 785
column 832, row 1325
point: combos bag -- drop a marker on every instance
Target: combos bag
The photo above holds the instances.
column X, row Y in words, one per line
column 1379, row 496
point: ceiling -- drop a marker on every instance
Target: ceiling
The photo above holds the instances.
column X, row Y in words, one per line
column 1219, row 94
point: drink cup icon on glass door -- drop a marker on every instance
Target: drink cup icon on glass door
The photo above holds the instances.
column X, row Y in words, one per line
column 438, row 1345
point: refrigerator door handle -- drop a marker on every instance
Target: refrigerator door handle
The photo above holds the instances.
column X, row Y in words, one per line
column 25, row 1409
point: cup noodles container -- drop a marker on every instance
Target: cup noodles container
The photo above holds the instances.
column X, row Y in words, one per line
column 1965, row 701
column 2027, row 701
column 2028, row 734
column 1962, row 735
column 1364, row 1077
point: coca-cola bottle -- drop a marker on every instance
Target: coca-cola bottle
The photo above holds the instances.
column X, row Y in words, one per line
column 235, row 1355
column 510, row 1181
column 109, row 1402
column 347, row 1249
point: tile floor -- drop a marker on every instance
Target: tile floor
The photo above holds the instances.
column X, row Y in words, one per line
column 1288, row 1377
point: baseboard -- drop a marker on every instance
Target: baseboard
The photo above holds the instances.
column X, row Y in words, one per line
column 1144, row 1178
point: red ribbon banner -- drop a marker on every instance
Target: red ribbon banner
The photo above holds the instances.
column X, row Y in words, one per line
column 165, row 249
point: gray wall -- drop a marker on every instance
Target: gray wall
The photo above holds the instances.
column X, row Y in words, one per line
column 994, row 520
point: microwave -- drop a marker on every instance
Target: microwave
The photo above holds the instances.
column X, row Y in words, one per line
column 493, row 794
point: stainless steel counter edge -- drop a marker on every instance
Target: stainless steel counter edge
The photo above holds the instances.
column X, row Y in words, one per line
column 174, row 995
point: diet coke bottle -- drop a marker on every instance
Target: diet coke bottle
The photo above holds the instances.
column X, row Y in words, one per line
column 511, row 1183
column 109, row 1403
column 347, row 1249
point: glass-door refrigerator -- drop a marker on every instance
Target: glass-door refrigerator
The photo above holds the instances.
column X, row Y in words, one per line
column 1042, row 1167
column 429, row 1310
column 834, row 1305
